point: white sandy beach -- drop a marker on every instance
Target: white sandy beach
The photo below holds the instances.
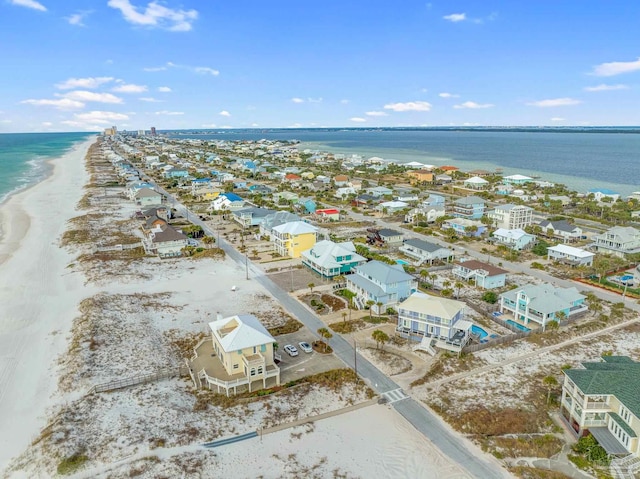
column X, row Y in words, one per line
column 38, row 299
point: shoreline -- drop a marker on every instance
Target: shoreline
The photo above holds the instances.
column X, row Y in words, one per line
column 39, row 299
column 579, row 184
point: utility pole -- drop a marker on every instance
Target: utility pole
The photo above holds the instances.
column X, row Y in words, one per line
column 355, row 358
column 246, row 262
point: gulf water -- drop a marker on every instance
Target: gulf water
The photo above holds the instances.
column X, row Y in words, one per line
column 579, row 159
column 23, row 157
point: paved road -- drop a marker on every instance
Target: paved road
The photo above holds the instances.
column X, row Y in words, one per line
column 425, row 422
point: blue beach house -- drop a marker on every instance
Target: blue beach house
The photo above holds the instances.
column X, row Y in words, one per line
column 541, row 304
column 330, row 259
column 471, row 208
column 381, row 283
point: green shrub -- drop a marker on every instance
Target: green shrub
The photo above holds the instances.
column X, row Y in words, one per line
column 490, row 297
column 71, row 464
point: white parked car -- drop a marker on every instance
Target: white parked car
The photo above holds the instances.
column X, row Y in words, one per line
column 291, row 350
column 306, row 347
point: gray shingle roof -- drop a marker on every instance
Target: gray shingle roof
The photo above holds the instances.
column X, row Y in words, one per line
column 384, row 273
column 423, row 245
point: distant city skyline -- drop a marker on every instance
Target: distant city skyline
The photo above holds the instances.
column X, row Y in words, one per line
column 187, row 64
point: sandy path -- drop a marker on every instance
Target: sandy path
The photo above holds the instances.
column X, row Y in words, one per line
column 38, row 297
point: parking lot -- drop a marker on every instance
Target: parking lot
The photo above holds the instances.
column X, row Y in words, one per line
column 304, row 364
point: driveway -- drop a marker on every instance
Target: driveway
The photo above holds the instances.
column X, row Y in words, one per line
column 304, row 364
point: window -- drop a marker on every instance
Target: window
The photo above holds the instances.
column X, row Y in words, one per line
column 625, row 414
column 236, row 366
column 263, row 348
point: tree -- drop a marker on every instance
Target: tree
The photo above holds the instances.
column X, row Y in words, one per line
column 433, row 278
column 490, row 297
column 325, row 334
column 379, row 306
column 370, row 303
column 458, row 285
column 446, row 283
column 561, row 316
column 380, row 337
column 344, row 316
column 311, row 286
column 424, row 274
column 550, row 382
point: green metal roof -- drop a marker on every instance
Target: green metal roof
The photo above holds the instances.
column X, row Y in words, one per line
column 623, row 424
column 616, row 375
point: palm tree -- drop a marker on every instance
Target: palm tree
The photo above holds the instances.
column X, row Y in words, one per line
column 424, row 274
column 344, row 316
column 379, row 306
column 380, row 337
column 550, row 382
column 433, row 278
column 458, row 285
column 446, row 283
column 311, row 286
column 370, row 303
column 325, row 334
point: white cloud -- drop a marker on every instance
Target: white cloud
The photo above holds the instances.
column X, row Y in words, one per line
column 199, row 70
column 130, row 88
column 206, row 70
column 6, row 121
column 456, row 17
column 409, row 106
column 61, row 104
column 376, row 113
column 156, row 15
column 344, row 102
column 208, row 125
column 29, row 4
column 473, row 105
column 555, row 102
column 169, row 113
column 149, row 99
column 615, row 68
column 46, row 124
column 164, row 89
column 448, row 95
column 100, row 117
column 77, row 18
column 224, row 113
column 90, row 82
column 297, row 100
column 357, row 119
column 604, row 87
column 87, row 96
column 295, row 125
column 254, row 125
column 315, row 100
column 557, row 118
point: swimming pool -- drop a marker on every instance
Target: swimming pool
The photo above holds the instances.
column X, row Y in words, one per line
column 517, row 325
column 401, row 261
column 626, row 277
column 479, row 331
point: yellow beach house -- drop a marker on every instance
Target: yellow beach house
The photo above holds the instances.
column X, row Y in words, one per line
column 240, row 352
column 291, row 239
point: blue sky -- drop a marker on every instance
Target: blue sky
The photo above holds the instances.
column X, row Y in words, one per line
column 76, row 65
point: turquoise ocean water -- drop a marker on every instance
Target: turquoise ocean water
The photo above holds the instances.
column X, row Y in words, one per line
column 23, row 157
column 579, row 159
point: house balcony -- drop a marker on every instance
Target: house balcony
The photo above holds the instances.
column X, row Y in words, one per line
column 207, row 370
column 463, row 272
column 578, row 309
column 598, row 405
column 594, row 423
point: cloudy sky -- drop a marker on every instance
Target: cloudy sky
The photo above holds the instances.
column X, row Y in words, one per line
column 77, row 65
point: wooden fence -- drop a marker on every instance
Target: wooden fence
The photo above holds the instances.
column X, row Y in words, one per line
column 117, row 247
column 142, row 379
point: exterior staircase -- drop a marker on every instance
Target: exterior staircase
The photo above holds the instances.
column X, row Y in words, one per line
column 426, row 345
column 625, row 467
